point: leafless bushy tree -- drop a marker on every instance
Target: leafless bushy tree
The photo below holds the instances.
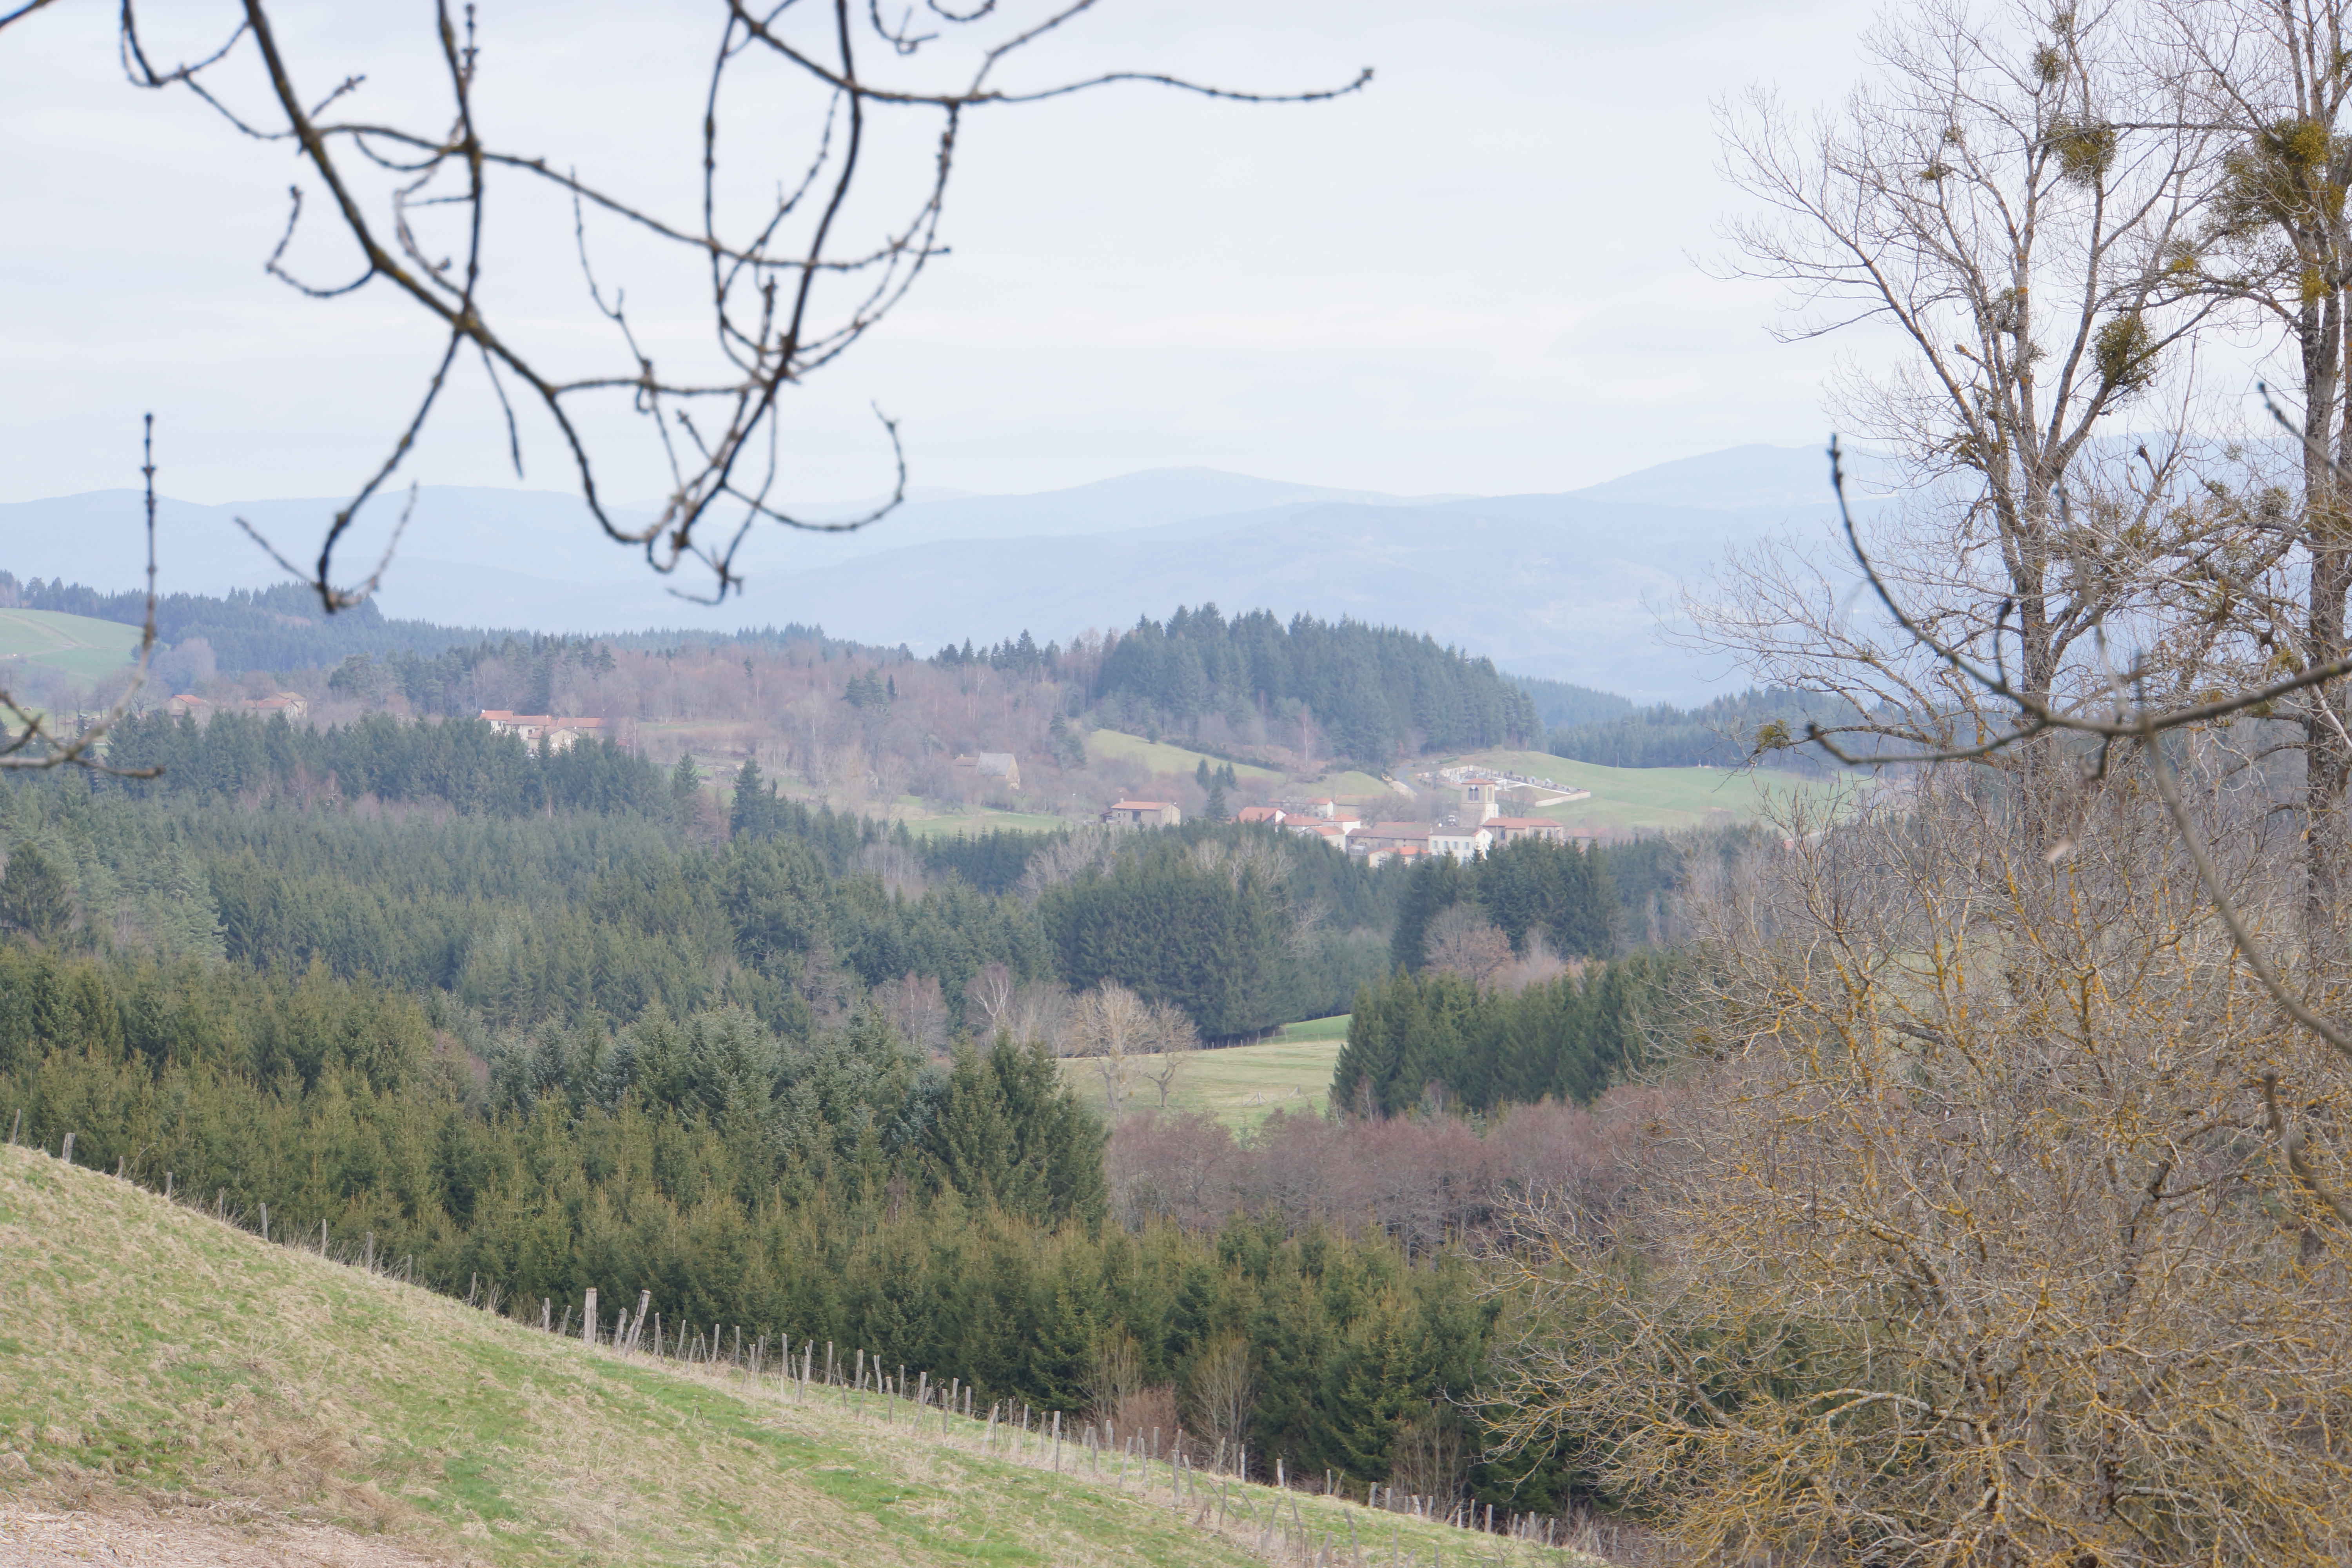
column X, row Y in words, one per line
column 1463, row 941
column 1993, row 1223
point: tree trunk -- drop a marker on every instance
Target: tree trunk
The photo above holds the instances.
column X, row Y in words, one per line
column 2327, row 757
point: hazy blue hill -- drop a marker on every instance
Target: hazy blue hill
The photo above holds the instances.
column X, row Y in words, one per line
column 1570, row 587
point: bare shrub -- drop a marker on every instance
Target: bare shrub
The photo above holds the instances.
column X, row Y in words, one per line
column 1221, row 1389
column 1178, row 1168
column 1148, row 1411
column 1429, row 1458
column 1116, row 1380
column 1423, row 1180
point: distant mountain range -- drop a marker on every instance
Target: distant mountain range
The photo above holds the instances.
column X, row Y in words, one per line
column 1571, row 587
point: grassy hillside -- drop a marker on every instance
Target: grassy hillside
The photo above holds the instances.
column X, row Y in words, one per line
column 1243, row 1085
column 78, row 645
column 1652, row 800
column 1163, row 758
column 165, row 1375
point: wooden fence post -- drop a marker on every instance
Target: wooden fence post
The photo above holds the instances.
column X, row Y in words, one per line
column 265, row 1221
column 588, row 1318
column 67, row 1155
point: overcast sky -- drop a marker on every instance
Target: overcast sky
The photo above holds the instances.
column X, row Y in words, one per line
column 1477, row 277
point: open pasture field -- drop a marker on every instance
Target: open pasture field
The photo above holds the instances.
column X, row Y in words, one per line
column 1241, row 1085
column 81, row 646
column 1626, row 801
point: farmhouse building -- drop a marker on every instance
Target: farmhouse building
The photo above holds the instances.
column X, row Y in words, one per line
column 1144, row 814
column 291, row 703
column 992, row 765
column 561, row 734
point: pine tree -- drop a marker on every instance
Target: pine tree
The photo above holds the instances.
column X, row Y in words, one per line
column 34, row 898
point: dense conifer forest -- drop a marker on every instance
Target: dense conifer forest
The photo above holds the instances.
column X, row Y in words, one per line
column 529, row 1023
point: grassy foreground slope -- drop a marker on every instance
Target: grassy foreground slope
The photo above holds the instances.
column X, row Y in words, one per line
column 162, row 1370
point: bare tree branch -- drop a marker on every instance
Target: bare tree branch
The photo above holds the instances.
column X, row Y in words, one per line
column 718, row 434
column 35, row 746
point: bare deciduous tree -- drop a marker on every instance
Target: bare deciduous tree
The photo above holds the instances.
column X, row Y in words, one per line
column 989, row 995
column 1129, row 1039
column 2011, row 195
column 1463, row 941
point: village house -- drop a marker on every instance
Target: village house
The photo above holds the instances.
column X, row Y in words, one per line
column 992, row 765
column 1372, row 837
column 1511, row 829
column 291, row 703
column 1271, row 816
column 1462, row 843
column 185, row 703
column 1404, row 854
column 1334, row 834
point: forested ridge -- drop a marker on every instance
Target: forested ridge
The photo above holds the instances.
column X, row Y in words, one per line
column 281, row 629
column 1723, row 732
column 1378, row 692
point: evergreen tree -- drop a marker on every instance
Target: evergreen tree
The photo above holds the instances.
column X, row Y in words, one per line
column 34, row 898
